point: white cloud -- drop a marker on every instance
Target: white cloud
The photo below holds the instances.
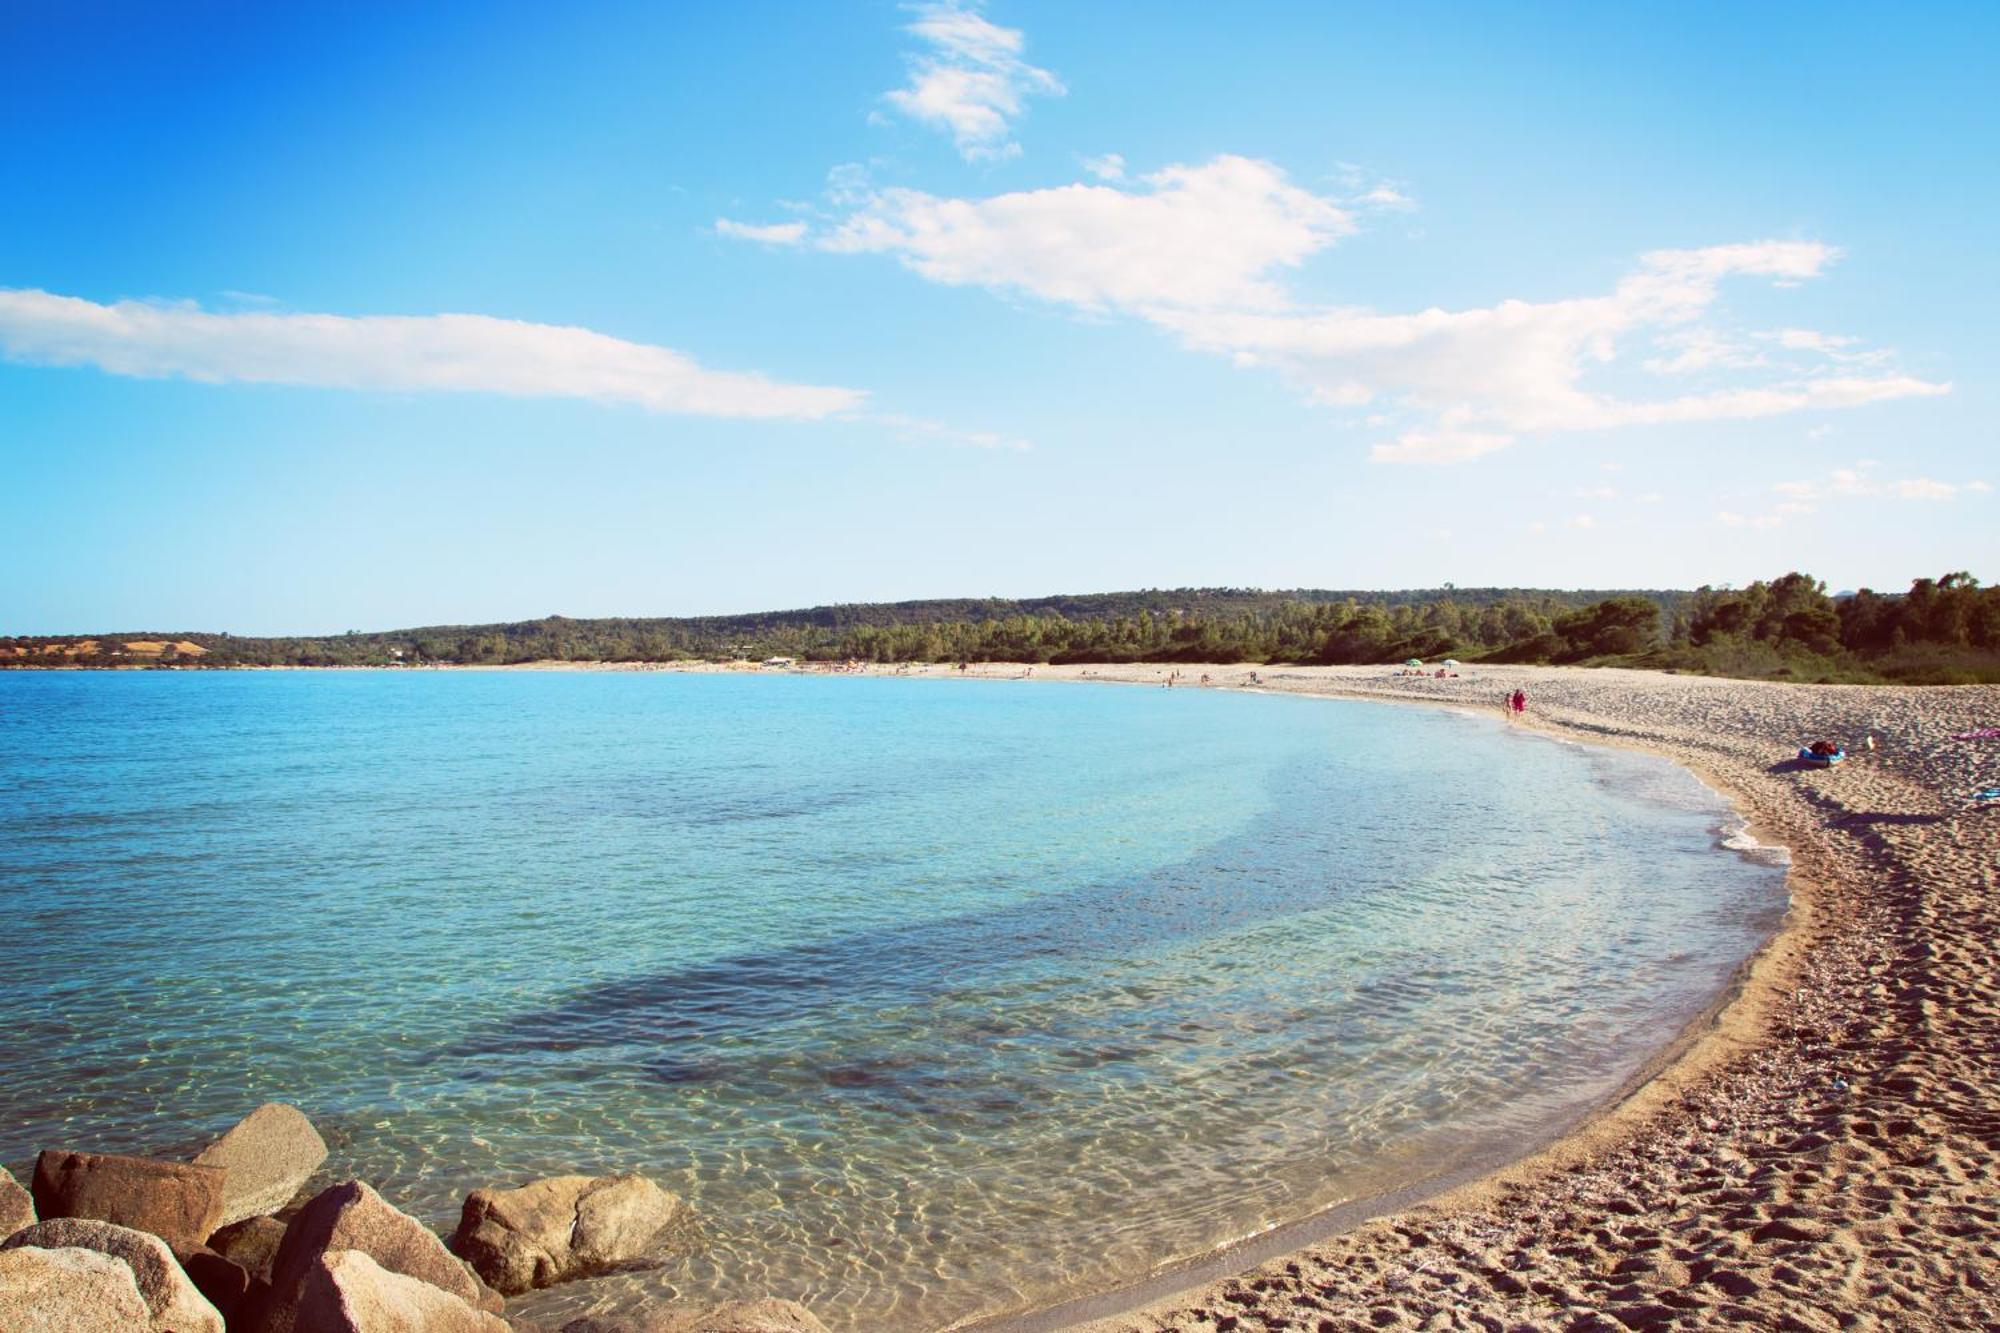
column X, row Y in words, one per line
column 1189, row 238
column 1200, row 251
column 1446, row 444
column 925, row 429
column 1583, row 521
column 1701, row 349
column 1359, row 188
column 1734, row 520
column 972, row 82
column 1811, row 340
column 774, row 233
column 1110, row 167
column 1520, row 367
column 1385, row 196
column 1855, row 482
column 1923, row 488
column 420, row 353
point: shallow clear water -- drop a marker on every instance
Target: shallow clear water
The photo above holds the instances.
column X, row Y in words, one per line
column 936, row 998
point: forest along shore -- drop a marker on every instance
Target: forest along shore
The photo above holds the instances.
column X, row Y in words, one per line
column 1821, row 1155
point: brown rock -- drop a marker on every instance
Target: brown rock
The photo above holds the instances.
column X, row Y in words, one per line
column 352, row 1216
column 252, row 1245
column 270, row 1154
column 566, row 1226
column 175, row 1201
column 173, row 1303
column 17, row 1206
column 223, row 1282
column 68, row 1291
column 347, row 1292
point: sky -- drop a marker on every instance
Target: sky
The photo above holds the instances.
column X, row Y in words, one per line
column 319, row 317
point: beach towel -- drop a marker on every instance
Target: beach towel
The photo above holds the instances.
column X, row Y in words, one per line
column 1990, row 794
column 1983, row 734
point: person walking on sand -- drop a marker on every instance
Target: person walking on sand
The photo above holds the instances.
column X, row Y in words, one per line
column 1520, row 702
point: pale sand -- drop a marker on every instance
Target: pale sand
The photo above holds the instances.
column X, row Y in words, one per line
column 1818, row 1154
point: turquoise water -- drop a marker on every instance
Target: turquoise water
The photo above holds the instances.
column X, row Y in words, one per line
column 936, row 998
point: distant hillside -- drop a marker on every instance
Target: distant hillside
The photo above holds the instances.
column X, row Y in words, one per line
column 1942, row 630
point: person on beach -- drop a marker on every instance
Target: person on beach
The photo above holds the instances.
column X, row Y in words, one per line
column 1520, row 702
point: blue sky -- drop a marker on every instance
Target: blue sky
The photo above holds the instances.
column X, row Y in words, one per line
column 327, row 317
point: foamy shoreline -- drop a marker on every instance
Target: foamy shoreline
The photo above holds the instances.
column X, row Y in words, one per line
column 1819, row 1152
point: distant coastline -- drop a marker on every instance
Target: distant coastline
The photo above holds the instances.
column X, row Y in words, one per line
column 1942, row 631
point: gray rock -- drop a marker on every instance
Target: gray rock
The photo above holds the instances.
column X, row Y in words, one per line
column 173, row 1302
column 17, row 1206
column 251, row 1245
column 68, row 1291
column 564, row 1227
column 176, row 1201
column 352, row 1216
column 270, row 1154
column 347, row 1292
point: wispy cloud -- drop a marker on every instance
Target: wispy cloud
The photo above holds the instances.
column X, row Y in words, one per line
column 924, row 429
column 1858, row 481
column 407, row 353
column 1445, row 443
column 772, row 233
column 1108, row 167
column 972, row 81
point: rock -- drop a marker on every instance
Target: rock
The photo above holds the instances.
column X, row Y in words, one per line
column 174, row 1303
column 352, row 1216
column 221, row 1281
column 270, row 1155
column 347, row 1292
column 566, row 1226
column 68, row 1291
column 175, row 1201
column 761, row 1316
column 17, row 1206
column 252, row 1245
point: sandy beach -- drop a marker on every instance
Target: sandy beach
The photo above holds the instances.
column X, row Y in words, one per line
column 1820, row 1152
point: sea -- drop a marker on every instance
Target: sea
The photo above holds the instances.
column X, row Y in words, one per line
column 937, row 1000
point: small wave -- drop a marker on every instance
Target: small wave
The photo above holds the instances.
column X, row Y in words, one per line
column 1745, row 844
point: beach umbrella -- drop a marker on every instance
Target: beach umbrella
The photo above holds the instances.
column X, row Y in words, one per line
column 1449, row 661
column 1414, row 661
